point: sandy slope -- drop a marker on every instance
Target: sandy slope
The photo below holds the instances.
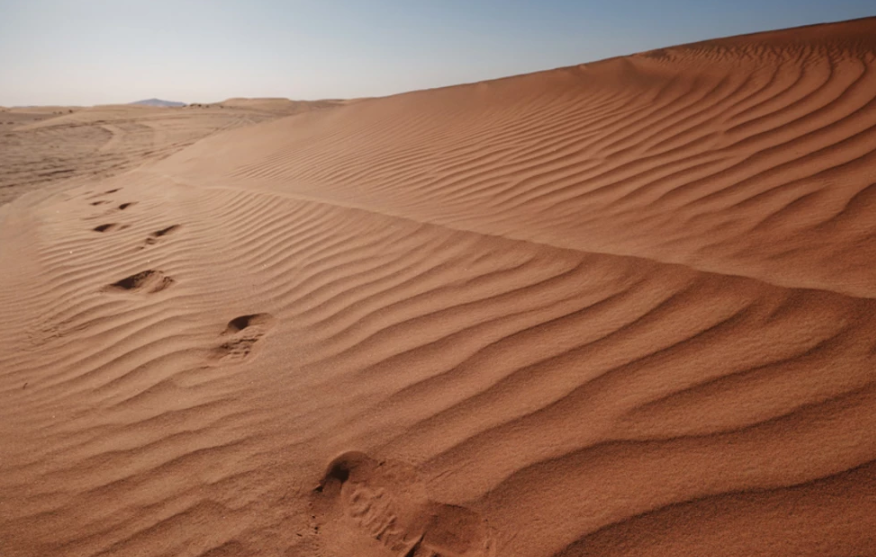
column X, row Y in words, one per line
column 54, row 146
column 625, row 308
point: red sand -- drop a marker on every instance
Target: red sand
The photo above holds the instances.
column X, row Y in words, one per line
column 625, row 308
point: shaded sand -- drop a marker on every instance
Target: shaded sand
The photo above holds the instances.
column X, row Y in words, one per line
column 625, row 308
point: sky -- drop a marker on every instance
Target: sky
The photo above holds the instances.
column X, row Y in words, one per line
column 87, row 52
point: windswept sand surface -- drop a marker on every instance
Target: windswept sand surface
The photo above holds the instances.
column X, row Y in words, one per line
column 53, row 146
column 620, row 309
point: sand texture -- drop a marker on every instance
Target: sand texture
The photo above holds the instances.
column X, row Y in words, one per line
column 43, row 147
column 626, row 308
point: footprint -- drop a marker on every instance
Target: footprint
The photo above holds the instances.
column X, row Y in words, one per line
column 382, row 506
column 124, row 206
column 153, row 238
column 109, row 227
column 102, row 202
column 147, row 282
column 111, row 191
column 241, row 335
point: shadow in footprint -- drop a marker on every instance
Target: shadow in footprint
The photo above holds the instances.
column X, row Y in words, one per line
column 109, row 227
column 381, row 508
column 241, row 336
column 153, row 238
column 147, row 282
column 124, row 206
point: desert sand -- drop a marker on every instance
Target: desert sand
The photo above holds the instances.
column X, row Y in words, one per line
column 619, row 309
column 46, row 146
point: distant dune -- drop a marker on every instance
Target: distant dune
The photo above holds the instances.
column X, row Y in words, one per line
column 52, row 147
column 159, row 102
column 285, row 106
column 626, row 308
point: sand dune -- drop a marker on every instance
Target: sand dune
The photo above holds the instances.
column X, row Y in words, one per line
column 54, row 146
column 624, row 308
column 280, row 105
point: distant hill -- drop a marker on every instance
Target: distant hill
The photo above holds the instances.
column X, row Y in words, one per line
column 279, row 105
column 159, row 102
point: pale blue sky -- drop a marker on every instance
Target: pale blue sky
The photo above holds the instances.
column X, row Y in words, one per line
column 87, row 52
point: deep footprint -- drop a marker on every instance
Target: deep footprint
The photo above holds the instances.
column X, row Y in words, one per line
column 362, row 502
column 124, row 206
column 241, row 336
column 147, row 282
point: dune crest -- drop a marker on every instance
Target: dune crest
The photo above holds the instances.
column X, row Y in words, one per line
column 623, row 308
column 749, row 156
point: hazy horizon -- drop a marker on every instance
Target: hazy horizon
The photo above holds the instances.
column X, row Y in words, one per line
column 103, row 52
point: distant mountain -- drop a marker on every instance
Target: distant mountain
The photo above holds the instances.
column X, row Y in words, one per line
column 159, row 102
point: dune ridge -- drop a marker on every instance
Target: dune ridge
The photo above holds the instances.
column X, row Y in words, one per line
column 642, row 155
column 624, row 308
